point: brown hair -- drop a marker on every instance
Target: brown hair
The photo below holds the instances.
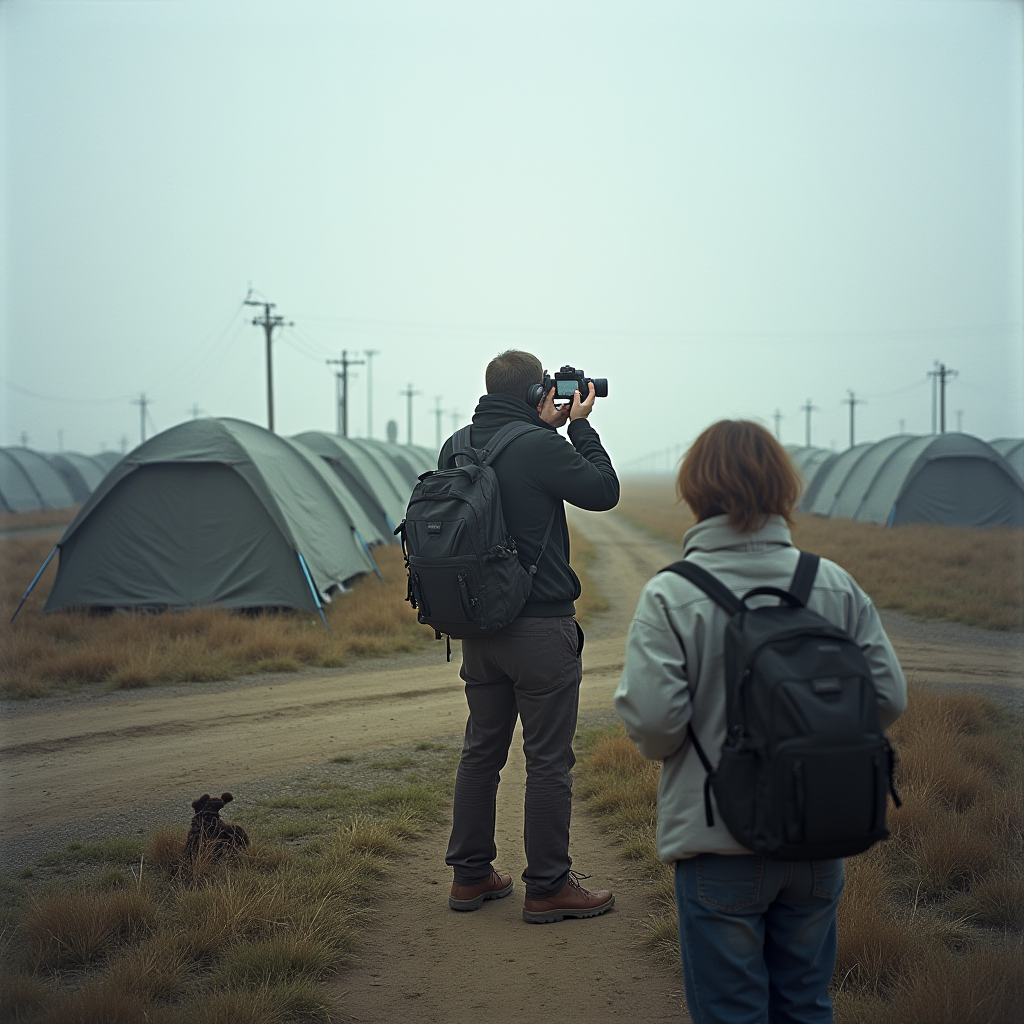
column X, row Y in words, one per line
column 736, row 468
column 512, row 373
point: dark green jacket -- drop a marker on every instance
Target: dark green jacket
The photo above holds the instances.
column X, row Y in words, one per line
column 537, row 472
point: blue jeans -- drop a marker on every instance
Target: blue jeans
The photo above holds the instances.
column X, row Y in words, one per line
column 758, row 938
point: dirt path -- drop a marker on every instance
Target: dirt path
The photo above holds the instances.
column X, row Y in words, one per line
column 62, row 761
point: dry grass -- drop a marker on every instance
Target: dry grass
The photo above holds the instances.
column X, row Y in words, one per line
column 126, row 650
column 930, row 922
column 253, row 939
column 120, row 651
column 37, row 520
column 591, row 600
column 940, row 572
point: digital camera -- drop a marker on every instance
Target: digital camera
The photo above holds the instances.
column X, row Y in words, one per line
column 566, row 383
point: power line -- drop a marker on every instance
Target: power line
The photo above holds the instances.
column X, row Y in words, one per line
column 852, row 401
column 409, row 395
column 341, row 388
column 808, row 409
column 369, row 353
column 939, row 376
column 270, row 322
column 143, row 403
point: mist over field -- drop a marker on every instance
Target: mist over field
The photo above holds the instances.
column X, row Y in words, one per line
column 727, row 209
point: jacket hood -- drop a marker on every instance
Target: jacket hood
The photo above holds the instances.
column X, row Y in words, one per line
column 715, row 534
column 494, row 411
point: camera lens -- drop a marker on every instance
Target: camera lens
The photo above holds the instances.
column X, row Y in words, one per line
column 600, row 387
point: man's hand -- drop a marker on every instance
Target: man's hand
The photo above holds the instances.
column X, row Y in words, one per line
column 553, row 414
column 581, row 410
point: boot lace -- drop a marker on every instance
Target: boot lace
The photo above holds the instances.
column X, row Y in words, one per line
column 575, row 877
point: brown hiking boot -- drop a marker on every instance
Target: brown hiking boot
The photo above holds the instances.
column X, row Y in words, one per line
column 471, row 897
column 571, row 901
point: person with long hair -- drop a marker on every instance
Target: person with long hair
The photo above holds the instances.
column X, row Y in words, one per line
column 757, row 935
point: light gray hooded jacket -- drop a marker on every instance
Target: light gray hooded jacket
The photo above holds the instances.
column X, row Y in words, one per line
column 666, row 686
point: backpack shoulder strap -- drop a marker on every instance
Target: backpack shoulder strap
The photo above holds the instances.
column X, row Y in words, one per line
column 462, row 445
column 803, row 578
column 503, row 437
column 711, row 585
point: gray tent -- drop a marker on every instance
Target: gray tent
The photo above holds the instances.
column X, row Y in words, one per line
column 28, row 482
column 811, row 463
column 950, row 479
column 1011, row 449
column 399, row 473
column 213, row 511
column 81, row 473
column 108, row 459
column 361, row 476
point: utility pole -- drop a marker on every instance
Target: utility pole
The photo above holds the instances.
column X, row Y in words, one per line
column 124, row 443
column 269, row 322
column 939, row 376
column 409, row 394
column 369, row 353
column 341, row 387
column 24, row 439
column 853, row 401
column 438, row 413
column 142, row 402
column 196, row 411
column 959, row 421
column 778, row 420
column 903, row 426
column 456, row 416
column 808, row 409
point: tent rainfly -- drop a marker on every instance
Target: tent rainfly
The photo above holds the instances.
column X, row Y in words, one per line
column 360, row 473
column 214, row 511
column 29, row 482
column 949, row 479
column 1011, row 449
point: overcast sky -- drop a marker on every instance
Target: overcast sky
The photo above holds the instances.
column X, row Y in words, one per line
column 725, row 208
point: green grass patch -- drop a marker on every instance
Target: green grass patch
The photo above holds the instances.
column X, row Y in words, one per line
column 931, row 923
column 118, row 850
column 90, row 937
column 342, row 759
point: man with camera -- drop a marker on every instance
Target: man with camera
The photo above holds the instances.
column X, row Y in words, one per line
column 530, row 669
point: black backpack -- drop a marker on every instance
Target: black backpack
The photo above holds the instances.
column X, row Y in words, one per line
column 805, row 771
column 465, row 574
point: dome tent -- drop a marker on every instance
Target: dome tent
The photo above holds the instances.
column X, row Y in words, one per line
column 81, row 473
column 810, row 463
column 213, row 511
column 29, row 483
column 949, row 479
column 361, row 476
column 1011, row 449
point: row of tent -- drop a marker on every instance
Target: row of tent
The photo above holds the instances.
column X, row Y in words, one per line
column 32, row 481
column 222, row 511
column 949, row 479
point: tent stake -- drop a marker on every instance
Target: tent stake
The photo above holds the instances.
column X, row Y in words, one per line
column 35, row 580
column 312, row 590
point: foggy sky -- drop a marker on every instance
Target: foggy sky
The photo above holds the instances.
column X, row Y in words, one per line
column 725, row 208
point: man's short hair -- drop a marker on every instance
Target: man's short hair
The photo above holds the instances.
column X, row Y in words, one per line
column 512, row 373
column 736, row 468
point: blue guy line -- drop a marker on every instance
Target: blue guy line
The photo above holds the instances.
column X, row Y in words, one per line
column 366, row 550
column 312, row 590
column 35, row 580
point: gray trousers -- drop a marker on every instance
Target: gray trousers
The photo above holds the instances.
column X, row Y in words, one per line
column 531, row 670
